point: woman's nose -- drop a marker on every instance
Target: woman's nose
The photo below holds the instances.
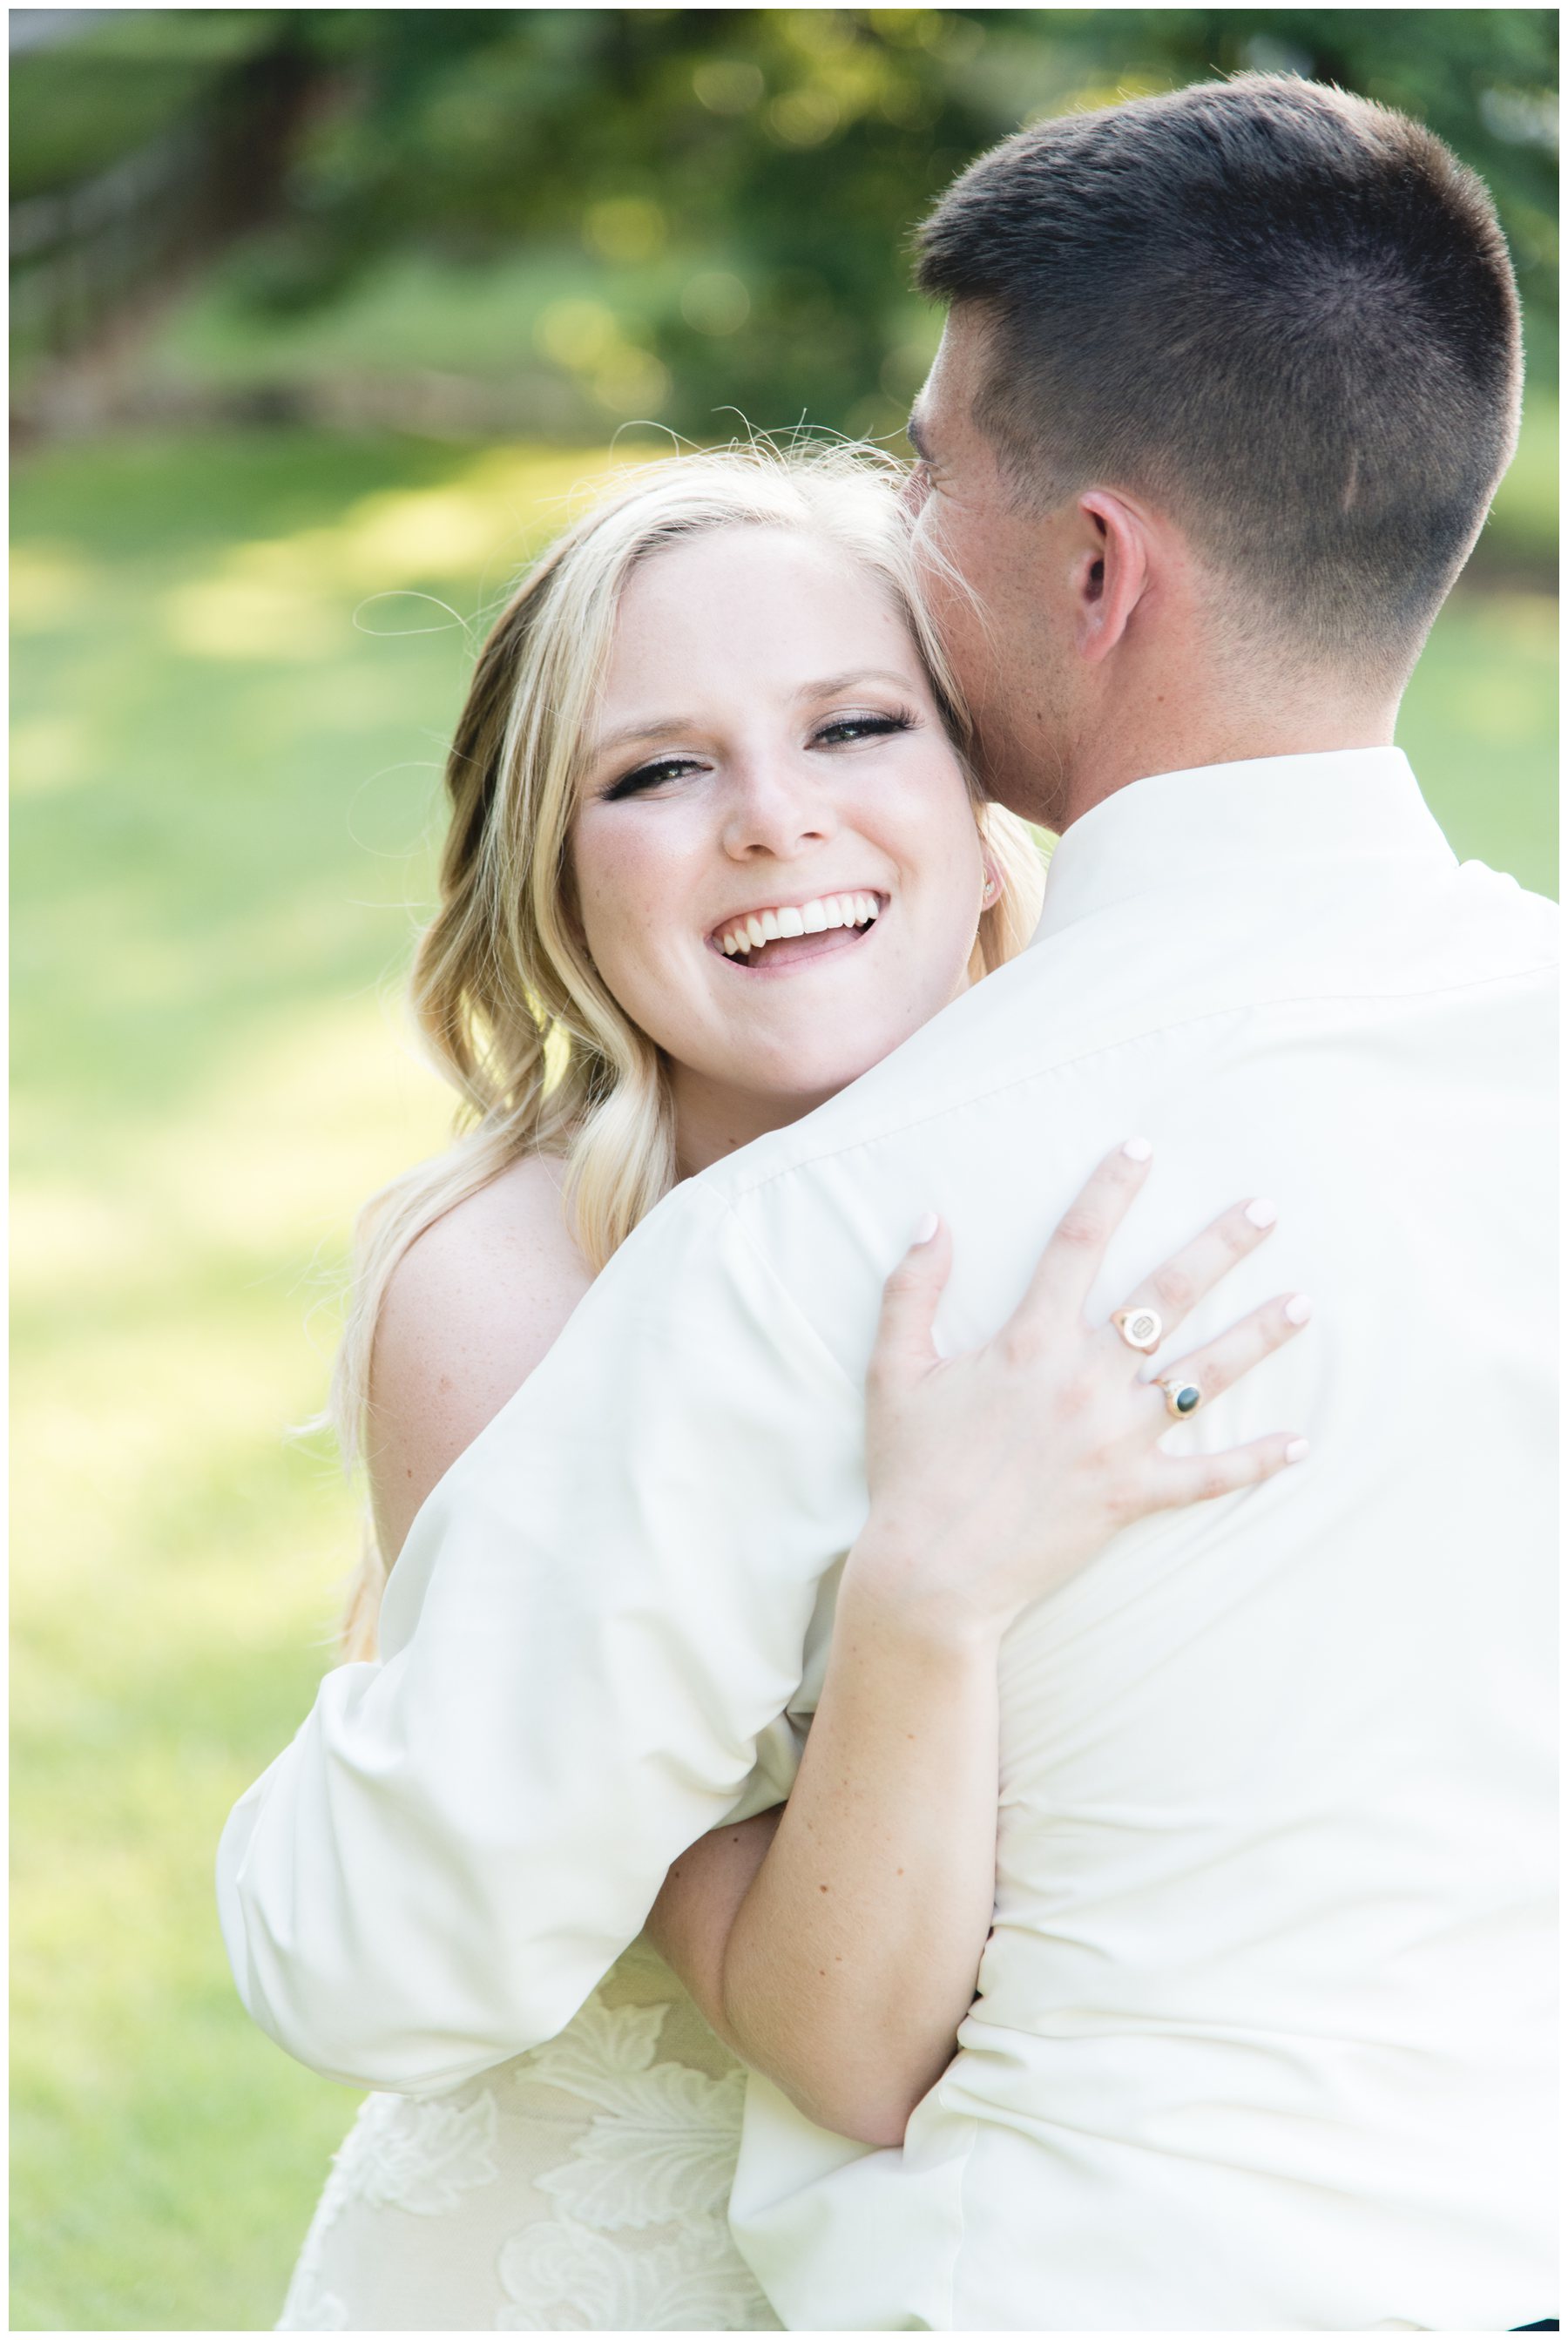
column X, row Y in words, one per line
column 775, row 809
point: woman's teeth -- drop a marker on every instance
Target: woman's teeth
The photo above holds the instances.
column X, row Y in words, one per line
column 808, row 918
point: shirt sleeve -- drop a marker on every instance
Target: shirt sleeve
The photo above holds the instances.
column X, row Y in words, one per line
column 599, row 1613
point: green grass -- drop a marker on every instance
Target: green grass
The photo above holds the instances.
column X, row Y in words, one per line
column 224, row 788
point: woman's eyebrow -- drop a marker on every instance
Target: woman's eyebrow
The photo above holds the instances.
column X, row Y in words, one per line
column 663, row 727
column 835, row 682
column 675, row 727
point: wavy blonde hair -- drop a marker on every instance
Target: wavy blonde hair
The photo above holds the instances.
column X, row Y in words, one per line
column 506, row 999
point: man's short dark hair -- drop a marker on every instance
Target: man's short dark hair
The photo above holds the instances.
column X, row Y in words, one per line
column 1285, row 313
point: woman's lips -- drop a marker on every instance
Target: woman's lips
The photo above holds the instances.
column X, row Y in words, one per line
column 793, row 951
column 750, row 935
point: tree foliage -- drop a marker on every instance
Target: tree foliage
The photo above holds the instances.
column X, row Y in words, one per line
column 721, row 198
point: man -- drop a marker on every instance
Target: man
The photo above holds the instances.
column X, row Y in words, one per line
column 1228, row 382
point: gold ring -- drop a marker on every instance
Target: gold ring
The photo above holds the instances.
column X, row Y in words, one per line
column 1140, row 1328
column 1182, row 1398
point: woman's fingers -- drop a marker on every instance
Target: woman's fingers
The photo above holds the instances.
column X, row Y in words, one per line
column 1072, row 1259
column 904, row 1346
column 1183, row 1479
column 1222, row 1362
column 1174, row 1289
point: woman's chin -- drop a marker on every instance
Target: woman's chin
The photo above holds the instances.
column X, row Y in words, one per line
column 813, row 1057
column 801, row 1082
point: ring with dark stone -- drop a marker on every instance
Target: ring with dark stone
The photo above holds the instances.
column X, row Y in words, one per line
column 1182, row 1398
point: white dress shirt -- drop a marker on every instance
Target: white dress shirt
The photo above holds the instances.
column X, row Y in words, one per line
column 1262, row 2030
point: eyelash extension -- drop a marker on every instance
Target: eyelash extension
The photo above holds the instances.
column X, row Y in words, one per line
column 646, row 776
column 631, row 784
column 876, row 725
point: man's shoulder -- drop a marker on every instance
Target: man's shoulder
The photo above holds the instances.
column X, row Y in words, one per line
column 995, row 1033
column 995, row 1111
column 1099, row 986
column 1532, row 921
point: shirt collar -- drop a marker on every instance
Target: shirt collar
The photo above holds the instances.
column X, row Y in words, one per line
column 1175, row 828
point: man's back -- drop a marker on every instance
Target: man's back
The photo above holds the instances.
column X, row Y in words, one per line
column 1261, row 2032
column 1261, row 2028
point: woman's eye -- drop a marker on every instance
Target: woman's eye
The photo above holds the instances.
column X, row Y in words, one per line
column 844, row 732
column 647, row 776
column 848, row 729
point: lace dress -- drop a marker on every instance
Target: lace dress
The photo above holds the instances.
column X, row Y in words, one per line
column 581, row 2187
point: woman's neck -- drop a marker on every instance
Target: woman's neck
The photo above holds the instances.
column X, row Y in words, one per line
column 713, row 1120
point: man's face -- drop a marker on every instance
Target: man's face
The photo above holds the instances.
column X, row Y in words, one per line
column 1010, row 652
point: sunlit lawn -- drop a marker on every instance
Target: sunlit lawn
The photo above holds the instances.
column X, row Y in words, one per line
column 225, row 794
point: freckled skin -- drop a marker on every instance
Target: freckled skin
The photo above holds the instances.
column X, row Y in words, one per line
column 471, row 1310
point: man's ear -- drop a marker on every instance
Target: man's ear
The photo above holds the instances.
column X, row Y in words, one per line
column 1111, row 571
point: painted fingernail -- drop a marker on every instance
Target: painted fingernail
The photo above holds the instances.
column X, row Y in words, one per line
column 1297, row 1451
column 1299, row 1309
column 1262, row 1214
column 926, row 1229
column 1137, row 1149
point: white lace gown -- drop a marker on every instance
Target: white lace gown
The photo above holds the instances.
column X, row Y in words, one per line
column 583, row 2187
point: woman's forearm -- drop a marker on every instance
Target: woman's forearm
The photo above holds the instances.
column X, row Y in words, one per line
column 852, row 1956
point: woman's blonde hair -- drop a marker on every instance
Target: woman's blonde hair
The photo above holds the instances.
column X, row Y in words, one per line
column 505, row 996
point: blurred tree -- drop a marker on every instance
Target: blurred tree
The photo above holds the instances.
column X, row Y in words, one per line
column 717, row 201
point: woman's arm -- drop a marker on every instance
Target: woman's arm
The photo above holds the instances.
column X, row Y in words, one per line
column 836, row 1946
column 471, row 1309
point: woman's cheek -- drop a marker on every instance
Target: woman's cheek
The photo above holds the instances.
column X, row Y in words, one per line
column 621, row 917
column 657, row 994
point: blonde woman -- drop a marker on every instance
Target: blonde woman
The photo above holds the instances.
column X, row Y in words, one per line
column 714, row 853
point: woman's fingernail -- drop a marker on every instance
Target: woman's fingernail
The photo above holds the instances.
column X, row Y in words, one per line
column 1297, row 1451
column 1262, row 1214
column 1137, row 1149
column 1299, row 1309
column 927, row 1228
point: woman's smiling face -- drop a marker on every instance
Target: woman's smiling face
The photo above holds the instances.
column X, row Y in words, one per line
column 768, row 759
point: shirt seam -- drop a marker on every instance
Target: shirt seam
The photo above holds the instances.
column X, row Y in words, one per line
column 1105, row 1049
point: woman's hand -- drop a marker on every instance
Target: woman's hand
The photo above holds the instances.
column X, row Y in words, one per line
column 839, row 1958
column 996, row 1474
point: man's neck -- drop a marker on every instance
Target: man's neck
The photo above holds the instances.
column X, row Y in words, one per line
column 1190, row 738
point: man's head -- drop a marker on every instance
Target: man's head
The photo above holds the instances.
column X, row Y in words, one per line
column 1231, row 374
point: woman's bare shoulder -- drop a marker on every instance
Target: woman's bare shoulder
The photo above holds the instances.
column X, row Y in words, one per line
column 469, row 1310
column 503, row 1254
